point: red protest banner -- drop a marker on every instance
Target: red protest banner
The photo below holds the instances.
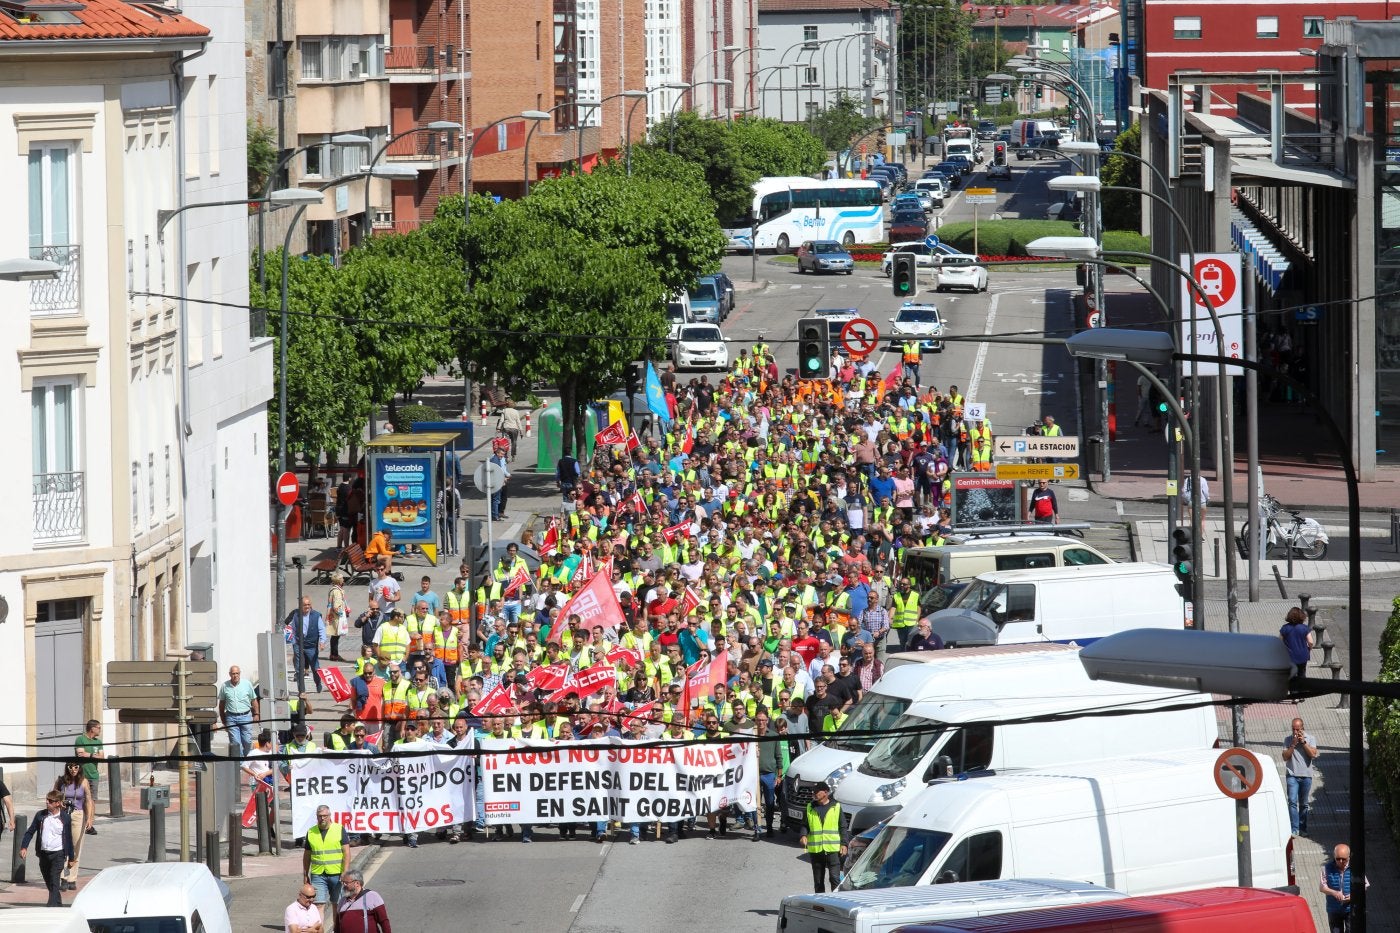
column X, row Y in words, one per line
column 250, row 810
column 633, row 442
column 647, row 713
column 690, row 601
column 549, row 676
column 550, row 544
column 522, row 577
column 615, row 433
column 679, row 530
column 335, row 682
column 596, row 603
column 630, row 656
column 585, row 683
column 496, row 701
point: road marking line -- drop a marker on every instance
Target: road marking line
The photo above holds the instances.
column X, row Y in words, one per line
column 975, row 381
column 578, row 902
column 603, row 849
column 794, row 286
column 375, row 864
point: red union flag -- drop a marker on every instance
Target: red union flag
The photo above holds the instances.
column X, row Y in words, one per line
column 548, row 677
column 496, row 701
column 700, row 680
column 585, row 683
column 690, row 601
column 688, row 444
column 632, row 441
column 522, row 577
column 596, row 602
column 645, row 713
column 615, row 433
column 334, row 679
column 680, row 530
column 892, row 380
column 630, row 656
column 550, row 544
column 637, row 502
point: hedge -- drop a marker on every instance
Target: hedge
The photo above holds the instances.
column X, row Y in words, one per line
column 412, row 414
column 1009, row 237
column 1383, row 726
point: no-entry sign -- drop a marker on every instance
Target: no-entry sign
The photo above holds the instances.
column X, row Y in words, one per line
column 287, row 488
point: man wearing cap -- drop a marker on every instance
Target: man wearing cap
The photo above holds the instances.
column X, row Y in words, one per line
column 824, row 838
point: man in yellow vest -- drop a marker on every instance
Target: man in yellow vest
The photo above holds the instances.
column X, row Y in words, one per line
column 905, row 603
column 325, row 858
column 824, row 837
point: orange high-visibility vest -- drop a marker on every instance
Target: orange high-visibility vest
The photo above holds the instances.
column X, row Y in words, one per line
column 446, row 650
column 396, row 701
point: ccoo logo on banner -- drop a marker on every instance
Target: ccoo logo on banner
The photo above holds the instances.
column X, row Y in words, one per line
column 562, row 782
column 384, row 794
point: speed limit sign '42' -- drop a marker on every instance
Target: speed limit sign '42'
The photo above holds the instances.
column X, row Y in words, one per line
column 1220, row 295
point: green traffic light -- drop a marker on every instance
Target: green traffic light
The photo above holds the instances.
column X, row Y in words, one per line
column 813, row 364
column 1162, row 407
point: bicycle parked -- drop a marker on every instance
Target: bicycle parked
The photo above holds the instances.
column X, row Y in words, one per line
column 1287, row 529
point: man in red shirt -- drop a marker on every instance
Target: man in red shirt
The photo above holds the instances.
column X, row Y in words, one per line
column 662, row 605
column 806, row 644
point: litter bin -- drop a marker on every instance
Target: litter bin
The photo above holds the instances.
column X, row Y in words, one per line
column 1094, row 453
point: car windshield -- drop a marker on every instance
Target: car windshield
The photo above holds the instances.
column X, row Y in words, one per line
column 705, row 291
column 675, row 311
column 894, row 756
column 917, row 316
column 827, row 247
column 138, row 925
column 977, row 596
column 700, row 334
column 875, row 713
column 897, row 858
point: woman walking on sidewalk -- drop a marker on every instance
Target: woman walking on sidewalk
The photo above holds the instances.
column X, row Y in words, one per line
column 79, row 808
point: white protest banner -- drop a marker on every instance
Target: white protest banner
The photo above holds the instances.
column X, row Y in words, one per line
column 386, row 794
column 564, row 782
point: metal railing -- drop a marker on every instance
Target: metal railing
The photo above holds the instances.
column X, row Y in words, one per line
column 257, row 323
column 411, row 58
column 63, row 294
column 59, row 507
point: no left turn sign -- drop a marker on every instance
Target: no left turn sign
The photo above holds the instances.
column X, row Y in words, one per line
column 859, row 336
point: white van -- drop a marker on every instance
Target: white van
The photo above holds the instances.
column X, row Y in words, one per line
column 882, row 911
column 1064, row 604
column 42, row 920
column 679, row 313
column 921, row 676
column 176, row 895
column 934, row 569
column 1141, row 825
column 940, row 738
column 1023, row 131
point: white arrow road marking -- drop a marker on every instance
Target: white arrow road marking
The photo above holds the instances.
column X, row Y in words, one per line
column 1027, row 390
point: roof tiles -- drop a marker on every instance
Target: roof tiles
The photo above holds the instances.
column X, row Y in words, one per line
column 805, row 6
column 98, row 19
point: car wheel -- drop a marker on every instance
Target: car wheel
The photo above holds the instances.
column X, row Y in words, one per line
column 850, row 271
column 783, row 245
column 848, row 239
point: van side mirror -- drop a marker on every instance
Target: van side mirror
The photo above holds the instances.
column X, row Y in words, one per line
column 947, row 876
column 940, row 767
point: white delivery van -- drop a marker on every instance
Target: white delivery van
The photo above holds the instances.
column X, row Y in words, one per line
column 955, row 737
column 1148, row 824
column 1023, row 131
column 918, row 676
column 156, row 896
column 936, row 570
column 881, row 911
column 42, row 920
column 1064, row 604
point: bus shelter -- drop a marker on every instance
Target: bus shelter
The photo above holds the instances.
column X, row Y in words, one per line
column 403, row 474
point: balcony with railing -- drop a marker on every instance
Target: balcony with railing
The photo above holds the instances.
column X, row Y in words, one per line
column 59, row 508
column 422, row 64
column 62, row 295
column 423, row 147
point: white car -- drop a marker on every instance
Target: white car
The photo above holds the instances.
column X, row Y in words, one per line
column 961, row 272
column 923, row 256
column 700, row 346
column 914, row 319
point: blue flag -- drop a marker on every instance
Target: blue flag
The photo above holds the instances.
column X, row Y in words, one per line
column 656, row 396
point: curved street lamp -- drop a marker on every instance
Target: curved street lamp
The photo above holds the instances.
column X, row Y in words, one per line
column 722, row 82
column 437, row 126
column 339, row 139
column 473, row 139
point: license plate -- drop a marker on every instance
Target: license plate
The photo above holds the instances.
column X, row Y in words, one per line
column 797, row 813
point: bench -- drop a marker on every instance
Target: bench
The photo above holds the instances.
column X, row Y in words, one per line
column 496, row 397
column 324, row 564
column 357, row 565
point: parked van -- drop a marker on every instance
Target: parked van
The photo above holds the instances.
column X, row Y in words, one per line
column 962, row 558
column 175, row 895
column 884, row 910
column 679, row 313
column 1023, row 131
column 1066, row 604
column 937, row 738
column 42, row 920
column 1148, row 824
column 1213, row 910
column 921, row 676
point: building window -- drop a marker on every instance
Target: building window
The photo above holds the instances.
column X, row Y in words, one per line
column 52, row 192
column 315, row 157
column 1312, row 27
column 311, row 65
column 58, row 494
column 1266, row 27
column 809, row 36
column 809, row 77
column 335, row 65
column 1186, row 27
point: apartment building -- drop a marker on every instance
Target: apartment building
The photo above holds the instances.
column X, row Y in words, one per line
column 573, row 59
column 721, row 45
column 93, row 561
column 815, row 51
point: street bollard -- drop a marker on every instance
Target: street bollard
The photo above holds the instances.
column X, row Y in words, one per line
column 156, row 852
column 17, row 864
column 264, row 825
column 1395, row 530
column 1282, row 592
column 235, row 844
column 1216, row 543
column 211, row 851
column 199, row 830
column 1343, row 699
column 114, row 787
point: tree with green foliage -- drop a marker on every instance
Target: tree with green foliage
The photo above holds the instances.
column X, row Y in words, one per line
column 327, row 399
column 1383, row 725
column 933, row 35
column 840, row 125
column 1122, row 210
column 773, row 148
column 262, row 155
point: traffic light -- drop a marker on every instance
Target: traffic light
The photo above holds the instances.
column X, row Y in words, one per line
column 999, row 154
column 1006, row 92
column 634, row 378
column 1039, row 92
column 813, row 348
column 903, row 275
column 1183, row 560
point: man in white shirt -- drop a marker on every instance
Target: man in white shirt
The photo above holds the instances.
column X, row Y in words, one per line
column 55, row 832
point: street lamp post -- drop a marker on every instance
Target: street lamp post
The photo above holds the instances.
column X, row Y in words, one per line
column 763, row 88
column 30, row 270
column 723, row 82
column 627, row 131
column 748, row 79
column 340, row 139
column 437, row 126
column 634, row 95
column 696, row 67
column 472, row 140
column 1255, row 658
column 531, row 135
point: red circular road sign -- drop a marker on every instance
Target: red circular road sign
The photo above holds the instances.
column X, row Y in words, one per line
column 859, row 336
column 1238, row 773
column 287, row 488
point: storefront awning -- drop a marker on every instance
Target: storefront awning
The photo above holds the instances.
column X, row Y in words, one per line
column 1270, row 264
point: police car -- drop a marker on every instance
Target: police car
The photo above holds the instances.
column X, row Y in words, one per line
column 916, row 319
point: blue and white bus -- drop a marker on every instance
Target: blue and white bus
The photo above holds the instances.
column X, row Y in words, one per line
column 787, row 211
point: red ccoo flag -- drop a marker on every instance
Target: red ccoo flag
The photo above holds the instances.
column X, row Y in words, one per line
column 585, row 683
column 892, row 380
column 688, row 444
column 646, row 713
column 680, row 530
column 633, row 442
column 496, row 702
column 521, row 578
column 549, row 676
column 615, row 433
column 550, row 544
column 690, row 601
